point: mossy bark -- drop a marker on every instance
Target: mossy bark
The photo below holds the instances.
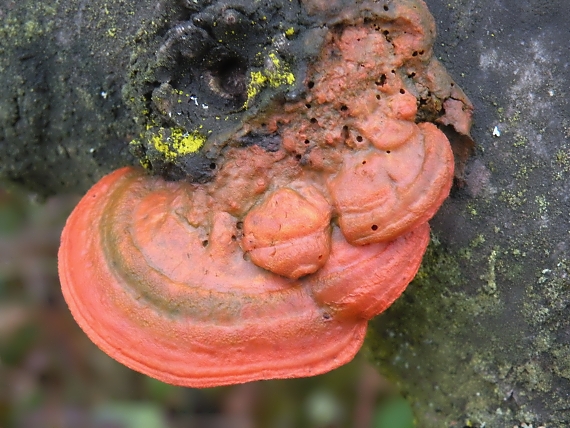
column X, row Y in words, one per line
column 481, row 337
column 63, row 65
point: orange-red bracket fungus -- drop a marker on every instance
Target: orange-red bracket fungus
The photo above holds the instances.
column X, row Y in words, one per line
column 148, row 289
column 272, row 267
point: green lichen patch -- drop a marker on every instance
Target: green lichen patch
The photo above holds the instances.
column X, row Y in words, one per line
column 437, row 337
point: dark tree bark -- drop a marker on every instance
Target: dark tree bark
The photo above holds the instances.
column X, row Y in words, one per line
column 482, row 334
column 481, row 337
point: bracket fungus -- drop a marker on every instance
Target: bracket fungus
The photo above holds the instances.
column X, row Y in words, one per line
column 312, row 218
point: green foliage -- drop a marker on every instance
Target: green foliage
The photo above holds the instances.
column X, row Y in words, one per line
column 131, row 415
column 394, row 413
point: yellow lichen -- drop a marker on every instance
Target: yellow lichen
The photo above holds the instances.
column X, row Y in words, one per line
column 175, row 142
column 277, row 75
column 145, row 163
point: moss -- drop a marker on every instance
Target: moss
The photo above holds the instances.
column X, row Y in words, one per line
column 459, row 355
column 29, row 25
column 514, row 199
column 490, row 277
column 440, row 314
column 561, row 164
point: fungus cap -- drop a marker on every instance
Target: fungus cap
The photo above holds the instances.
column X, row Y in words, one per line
column 399, row 188
column 141, row 283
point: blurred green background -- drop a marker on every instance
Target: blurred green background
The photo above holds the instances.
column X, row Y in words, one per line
column 52, row 376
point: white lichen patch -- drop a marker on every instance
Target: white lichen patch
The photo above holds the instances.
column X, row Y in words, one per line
column 533, row 93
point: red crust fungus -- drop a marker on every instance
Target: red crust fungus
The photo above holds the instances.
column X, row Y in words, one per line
column 273, row 268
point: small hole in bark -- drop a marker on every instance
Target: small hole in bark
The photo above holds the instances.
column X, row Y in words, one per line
column 386, row 8
column 388, row 151
column 308, row 105
column 359, row 139
column 345, row 132
column 311, row 84
column 343, row 108
column 212, row 166
column 363, row 162
column 298, row 156
column 415, row 53
column 326, row 316
column 230, row 76
column 374, row 227
column 307, row 141
column 239, row 225
column 402, row 91
column 205, row 243
column 234, row 237
column 313, row 120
